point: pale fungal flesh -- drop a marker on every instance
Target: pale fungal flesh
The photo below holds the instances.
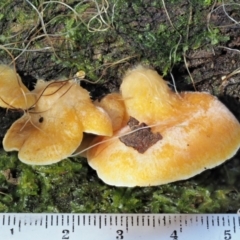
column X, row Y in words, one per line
column 198, row 132
column 53, row 129
column 13, row 93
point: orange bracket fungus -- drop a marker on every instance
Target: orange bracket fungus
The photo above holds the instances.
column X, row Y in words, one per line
column 53, row 129
column 195, row 132
column 13, row 94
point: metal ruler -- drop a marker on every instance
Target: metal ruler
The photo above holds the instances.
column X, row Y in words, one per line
column 25, row 226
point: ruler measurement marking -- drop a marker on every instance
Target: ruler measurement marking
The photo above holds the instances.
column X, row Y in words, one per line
column 234, row 225
column 46, row 221
column 68, row 220
column 100, row 222
column 164, row 221
column 73, row 222
column 105, row 220
column 191, row 220
column 180, row 222
column 94, row 220
column 19, row 225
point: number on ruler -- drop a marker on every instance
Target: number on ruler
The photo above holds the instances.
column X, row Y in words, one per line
column 120, row 234
column 174, row 235
column 65, row 232
column 12, row 231
column 227, row 235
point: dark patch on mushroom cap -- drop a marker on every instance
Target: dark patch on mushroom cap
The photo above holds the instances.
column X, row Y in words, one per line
column 142, row 139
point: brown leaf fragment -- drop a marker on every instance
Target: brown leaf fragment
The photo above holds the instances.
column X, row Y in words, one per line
column 9, row 177
column 141, row 139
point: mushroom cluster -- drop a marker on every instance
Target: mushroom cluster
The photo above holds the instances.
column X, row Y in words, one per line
column 55, row 117
column 146, row 134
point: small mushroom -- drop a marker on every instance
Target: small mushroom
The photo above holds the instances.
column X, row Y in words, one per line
column 45, row 138
column 113, row 104
column 54, row 128
column 94, row 119
column 13, row 93
column 197, row 132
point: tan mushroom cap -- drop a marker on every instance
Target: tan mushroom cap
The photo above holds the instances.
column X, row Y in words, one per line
column 147, row 96
column 94, row 119
column 54, row 128
column 113, row 104
column 200, row 133
column 13, row 93
column 45, row 138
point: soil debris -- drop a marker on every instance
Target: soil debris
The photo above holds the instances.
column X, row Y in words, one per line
column 142, row 139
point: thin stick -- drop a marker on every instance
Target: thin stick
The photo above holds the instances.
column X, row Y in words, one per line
column 115, row 137
column 190, row 75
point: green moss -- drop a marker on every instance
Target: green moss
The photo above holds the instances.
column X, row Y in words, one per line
column 80, row 40
column 71, row 186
